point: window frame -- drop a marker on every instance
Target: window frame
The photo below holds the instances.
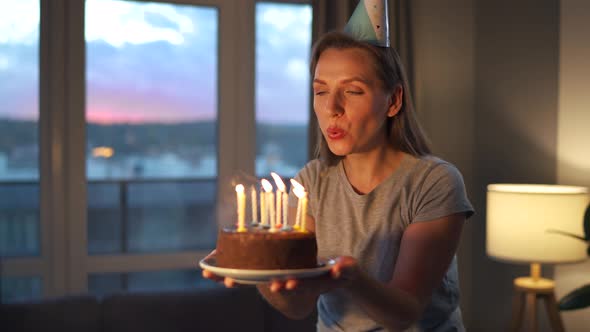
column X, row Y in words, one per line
column 64, row 264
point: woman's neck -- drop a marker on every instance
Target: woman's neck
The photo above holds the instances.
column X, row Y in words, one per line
column 365, row 171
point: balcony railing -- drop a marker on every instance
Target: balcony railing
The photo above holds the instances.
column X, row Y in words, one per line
column 124, row 216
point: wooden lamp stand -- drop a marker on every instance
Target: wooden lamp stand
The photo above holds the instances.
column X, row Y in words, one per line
column 528, row 290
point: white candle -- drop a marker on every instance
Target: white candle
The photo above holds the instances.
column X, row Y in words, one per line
column 303, row 211
column 298, row 214
column 285, row 210
column 270, row 201
column 280, row 193
column 264, row 208
column 298, row 191
column 253, row 194
column 241, row 198
column 279, row 209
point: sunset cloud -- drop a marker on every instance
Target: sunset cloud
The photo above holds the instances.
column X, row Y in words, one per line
column 159, row 62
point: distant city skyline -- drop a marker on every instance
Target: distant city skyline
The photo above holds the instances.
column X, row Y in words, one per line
column 130, row 77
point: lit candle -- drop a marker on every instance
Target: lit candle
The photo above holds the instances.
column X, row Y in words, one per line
column 301, row 215
column 285, row 211
column 264, row 209
column 254, row 205
column 280, row 193
column 270, row 202
column 303, row 211
column 241, row 208
column 298, row 215
column 297, row 188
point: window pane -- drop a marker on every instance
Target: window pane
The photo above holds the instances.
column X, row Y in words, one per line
column 151, row 216
column 20, row 289
column 151, row 117
column 283, row 41
column 19, row 142
column 107, row 283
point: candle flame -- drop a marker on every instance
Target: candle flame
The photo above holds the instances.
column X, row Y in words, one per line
column 299, row 192
column 240, row 188
column 296, row 184
column 278, row 181
column 266, row 185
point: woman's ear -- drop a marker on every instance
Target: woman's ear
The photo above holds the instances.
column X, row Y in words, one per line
column 396, row 101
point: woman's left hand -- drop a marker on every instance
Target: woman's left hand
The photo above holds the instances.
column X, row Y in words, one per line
column 342, row 274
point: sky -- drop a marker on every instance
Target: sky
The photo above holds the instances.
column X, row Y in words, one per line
column 158, row 62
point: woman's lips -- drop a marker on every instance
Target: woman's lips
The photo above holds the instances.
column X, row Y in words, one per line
column 335, row 133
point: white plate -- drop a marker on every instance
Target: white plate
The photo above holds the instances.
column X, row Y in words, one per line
column 253, row 277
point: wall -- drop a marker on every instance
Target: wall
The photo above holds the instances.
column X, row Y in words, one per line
column 516, row 128
column 443, row 80
column 573, row 137
column 487, row 91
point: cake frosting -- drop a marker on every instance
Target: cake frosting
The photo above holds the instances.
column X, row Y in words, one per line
column 259, row 249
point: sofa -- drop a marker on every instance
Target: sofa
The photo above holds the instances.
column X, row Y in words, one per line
column 217, row 309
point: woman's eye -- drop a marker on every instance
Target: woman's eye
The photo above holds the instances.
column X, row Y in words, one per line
column 352, row 92
column 320, row 93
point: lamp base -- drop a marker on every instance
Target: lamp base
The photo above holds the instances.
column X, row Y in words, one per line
column 528, row 291
column 538, row 285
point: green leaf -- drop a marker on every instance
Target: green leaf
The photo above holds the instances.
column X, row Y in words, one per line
column 576, row 299
column 587, row 223
column 556, row 231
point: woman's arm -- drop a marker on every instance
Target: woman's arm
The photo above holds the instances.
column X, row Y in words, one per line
column 295, row 304
column 426, row 251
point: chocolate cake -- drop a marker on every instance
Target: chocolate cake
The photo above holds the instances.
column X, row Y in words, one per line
column 259, row 249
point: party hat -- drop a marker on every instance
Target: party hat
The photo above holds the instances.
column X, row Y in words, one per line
column 369, row 23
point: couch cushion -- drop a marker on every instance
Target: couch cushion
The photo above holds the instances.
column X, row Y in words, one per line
column 218, row 309
column 70, row 314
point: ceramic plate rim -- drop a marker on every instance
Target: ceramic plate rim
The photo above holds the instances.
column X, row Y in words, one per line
column 258, row 276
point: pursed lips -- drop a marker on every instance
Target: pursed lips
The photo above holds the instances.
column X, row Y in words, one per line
column 335, row 132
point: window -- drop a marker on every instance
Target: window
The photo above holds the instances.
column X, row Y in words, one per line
column 151, row 126
column 119, row 142
column 19, row 149
column 20, row 288
column 283, row 42
column 104, row 284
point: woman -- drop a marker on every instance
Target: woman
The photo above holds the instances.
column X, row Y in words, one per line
column 378, row 201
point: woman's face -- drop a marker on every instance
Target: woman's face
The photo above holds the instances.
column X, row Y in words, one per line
column 350, row 102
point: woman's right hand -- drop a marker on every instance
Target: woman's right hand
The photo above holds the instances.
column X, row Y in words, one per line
column 343, row 274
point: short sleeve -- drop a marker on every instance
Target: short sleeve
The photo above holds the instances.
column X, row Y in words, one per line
column 442, row 193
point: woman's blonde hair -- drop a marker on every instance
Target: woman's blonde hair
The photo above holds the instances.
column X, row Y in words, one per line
column 403, row 130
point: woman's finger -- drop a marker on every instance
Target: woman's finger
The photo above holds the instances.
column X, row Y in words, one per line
column 291, row 284
column 345, row 268
column 210, row 275
column 336, row 272
column 276, row 285
column 229, row 282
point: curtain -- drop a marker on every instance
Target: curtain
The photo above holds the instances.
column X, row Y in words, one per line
column 330, row 15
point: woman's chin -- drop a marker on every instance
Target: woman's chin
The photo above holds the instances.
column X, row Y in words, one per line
column 339, row 151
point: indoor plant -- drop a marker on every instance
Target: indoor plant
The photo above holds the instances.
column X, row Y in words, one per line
column 580, row 297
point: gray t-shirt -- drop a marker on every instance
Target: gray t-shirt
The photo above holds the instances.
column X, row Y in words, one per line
column 370, row 227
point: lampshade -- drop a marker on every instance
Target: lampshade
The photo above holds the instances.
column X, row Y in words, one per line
column 522, row 220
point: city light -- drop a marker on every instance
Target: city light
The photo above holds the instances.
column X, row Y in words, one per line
column 103, row 152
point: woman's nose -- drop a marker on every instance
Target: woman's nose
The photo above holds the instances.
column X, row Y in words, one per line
column 334, row 105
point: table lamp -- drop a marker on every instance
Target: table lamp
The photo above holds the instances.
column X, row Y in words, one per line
column 525, row 224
